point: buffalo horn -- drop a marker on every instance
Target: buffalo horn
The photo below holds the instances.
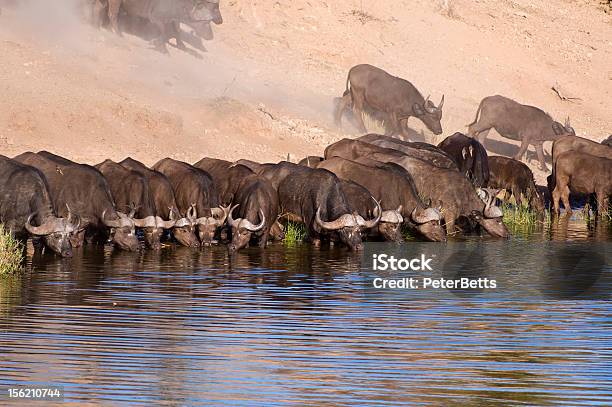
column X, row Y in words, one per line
column 148, row 222
column 230, row 219
column 221, row 213
column 368, row 224
column 392, row 216
column 49, row 226
column 252, row 228
column 164, row 224
column 428, row 215
column 346, row 220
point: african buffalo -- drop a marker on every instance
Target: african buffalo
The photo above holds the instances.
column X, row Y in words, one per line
column 253, row 195
column 369, row 87
column 131, row 192
column 515, row 121
column 517, row 179
column 315, row 197
column 580, row 144
column 196, row 196
column 432, row 154
column 25, row 199
column 257, row 204
column 82, row 189
column 225, row 175
column 394, row 188
column 470, row 156
column 165, row 203
column 166, row 15
column 450, row 189
column 276, row 173
column 582, row 173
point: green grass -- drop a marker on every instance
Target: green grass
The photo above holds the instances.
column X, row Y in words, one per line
column 294, row 232
column 11, row 253
column 521, row 219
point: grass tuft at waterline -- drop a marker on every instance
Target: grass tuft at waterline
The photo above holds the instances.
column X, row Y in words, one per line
column 11, row 253
column 294, row 232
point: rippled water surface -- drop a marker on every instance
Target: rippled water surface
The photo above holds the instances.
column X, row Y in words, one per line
column 295, row 325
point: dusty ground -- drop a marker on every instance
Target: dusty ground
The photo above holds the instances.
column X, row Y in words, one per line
column 265, row 86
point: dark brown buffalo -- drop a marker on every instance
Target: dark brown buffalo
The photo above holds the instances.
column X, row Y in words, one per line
column 226, row 176
column 456, row 196
column 431, row 154
column 83, row 190
column 394, row 189
column 242, row 188
column 184, row 229
column 164, row 14
column 315, row 197
column 582, row 173
column 311, row 161
column 515, row 121
column 470, row 156
column 196, row 196
column 25, row 199
column 131, row 192
column 608, row 141
column 517, row 179
column 276, row 173
column 254, row 212
column 369, row 87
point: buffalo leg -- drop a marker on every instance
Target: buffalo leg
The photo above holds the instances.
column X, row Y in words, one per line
column 160, row 42
column 263, row 239
column 97, row 13
column 175, row 28
column 358, row 109
column 394, row 126
column 340, row 108
column 540, row 152
column 565, row 193
column 113, row 15
column 602, row 203
column 522, row 150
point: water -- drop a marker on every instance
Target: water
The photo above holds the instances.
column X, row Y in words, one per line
column 296, row 325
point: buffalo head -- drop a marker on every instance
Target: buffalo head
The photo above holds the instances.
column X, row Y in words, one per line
column 430, row 114
column 491, row 217
column 56, row 232
column 563, row 130
column 243, row 229
column 153, row 227
column 206, row 10
column 350, row 226
column 185, row 231
column 428, row 224
column 123, row 230
column 207, row 225
column 390, row 224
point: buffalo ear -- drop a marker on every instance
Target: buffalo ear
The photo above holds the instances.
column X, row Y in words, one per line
column 418, row 109
column 558, row 128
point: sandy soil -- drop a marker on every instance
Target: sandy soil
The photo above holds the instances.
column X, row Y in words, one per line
column 265, row 87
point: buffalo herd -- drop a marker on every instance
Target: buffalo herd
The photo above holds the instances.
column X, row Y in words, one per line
column 372, row 187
